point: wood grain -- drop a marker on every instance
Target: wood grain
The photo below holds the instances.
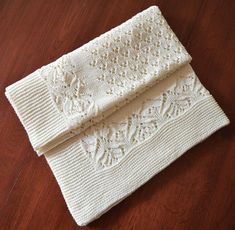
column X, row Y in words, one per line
column 195, row 192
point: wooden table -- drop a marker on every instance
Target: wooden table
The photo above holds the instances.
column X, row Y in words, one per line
column 195, row 192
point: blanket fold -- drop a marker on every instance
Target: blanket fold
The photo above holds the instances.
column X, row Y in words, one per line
column 82, row 87
column 111, row 114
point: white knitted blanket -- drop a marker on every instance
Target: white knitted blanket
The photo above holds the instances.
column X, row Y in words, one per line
column 116, row 111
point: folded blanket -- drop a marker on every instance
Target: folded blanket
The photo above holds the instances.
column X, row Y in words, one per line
column 113, row 113
column 63, row 98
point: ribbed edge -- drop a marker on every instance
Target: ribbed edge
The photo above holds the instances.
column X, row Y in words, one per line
column 89, row 193
column 32, row 103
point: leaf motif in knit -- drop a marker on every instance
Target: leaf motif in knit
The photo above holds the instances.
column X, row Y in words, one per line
column 108, row 142
column 68, row 91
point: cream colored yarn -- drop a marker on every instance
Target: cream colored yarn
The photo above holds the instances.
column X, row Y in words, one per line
column 116, row 111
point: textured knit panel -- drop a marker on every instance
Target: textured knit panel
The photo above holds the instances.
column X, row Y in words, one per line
column 107, row 142
column 107, row 71
column 106, row 163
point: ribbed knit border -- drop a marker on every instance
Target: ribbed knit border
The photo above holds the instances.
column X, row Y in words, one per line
column 90, row 193
column 32, row 103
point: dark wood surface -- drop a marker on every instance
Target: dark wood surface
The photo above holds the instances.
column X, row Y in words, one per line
column 195, row 192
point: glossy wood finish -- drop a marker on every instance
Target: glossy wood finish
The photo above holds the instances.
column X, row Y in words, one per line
column 195, row 192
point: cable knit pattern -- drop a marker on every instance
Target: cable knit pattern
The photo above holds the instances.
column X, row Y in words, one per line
column 113, row 113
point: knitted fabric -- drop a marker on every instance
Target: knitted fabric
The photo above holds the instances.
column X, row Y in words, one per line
column 116, row 111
